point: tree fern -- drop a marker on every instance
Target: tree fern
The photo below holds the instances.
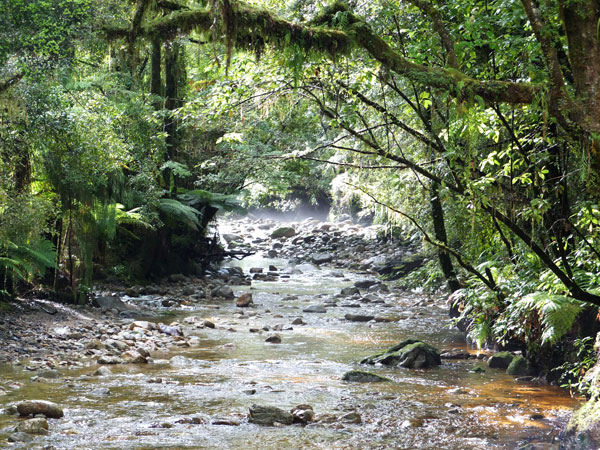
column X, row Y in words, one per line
column 222, row 202
column 557, row 313
column 27, row 260
column 177, row 211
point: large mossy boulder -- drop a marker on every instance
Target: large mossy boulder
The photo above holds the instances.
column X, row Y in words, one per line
column 500, row 360
column 35, row 407
column 412, row 354
column 583, row 430
column 520, row 366
column 282, row 232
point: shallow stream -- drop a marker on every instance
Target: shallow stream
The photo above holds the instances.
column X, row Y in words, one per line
column 449, row 407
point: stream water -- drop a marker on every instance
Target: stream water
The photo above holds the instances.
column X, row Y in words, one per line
column 449, row 407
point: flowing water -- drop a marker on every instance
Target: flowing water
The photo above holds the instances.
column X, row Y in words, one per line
column 449, row 407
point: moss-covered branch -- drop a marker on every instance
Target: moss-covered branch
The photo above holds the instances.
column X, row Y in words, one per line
column 255, row 27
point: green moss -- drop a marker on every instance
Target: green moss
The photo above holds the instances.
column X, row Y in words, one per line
column 361, row 376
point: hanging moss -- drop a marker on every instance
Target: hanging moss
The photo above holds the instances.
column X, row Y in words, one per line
column 335, row 31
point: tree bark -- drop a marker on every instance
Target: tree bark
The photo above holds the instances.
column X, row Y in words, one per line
column 439, row 229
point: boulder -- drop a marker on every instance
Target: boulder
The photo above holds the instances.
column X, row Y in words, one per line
column 360, row 376
column 282, row 232
column 102, row 372
column 397, row 268
column 302, row 413
column 456, row 353
column 350, row 291
column 411, row 354
column 222, row 291
column 106, row 303
column 520, row 366
column 314, row 309
column 500, row 360
column 268, row 415
column 351, row 417
column 366, row 284
column 34, row 407
column 171, row 331
column 33, row 426
column 321, row 258
column 583, row 430
column 274, row 339
column 358, row 317
column 244, row 300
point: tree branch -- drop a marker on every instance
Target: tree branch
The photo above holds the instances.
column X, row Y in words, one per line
column 428, row 9
column 256, row 27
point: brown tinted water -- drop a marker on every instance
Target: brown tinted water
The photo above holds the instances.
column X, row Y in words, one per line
column 449, row 407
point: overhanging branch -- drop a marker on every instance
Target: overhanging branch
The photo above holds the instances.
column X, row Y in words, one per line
column 256, row 27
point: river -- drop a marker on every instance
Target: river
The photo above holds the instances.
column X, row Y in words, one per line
column 198, row 397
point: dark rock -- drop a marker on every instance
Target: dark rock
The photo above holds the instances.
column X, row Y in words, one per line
column 400, row 267
column 230, row 421
column 274, row 339
column 360, row 376
column 272, row 268
column 34, row 407
column 366, row 284
column 208, row 324
column 520, row 366
column 315, row 309
column 302, row 413
column 298, row 321
column 456, row 354
column 244, row 300
column 350, row 291
column 500, row 360
column 107, row 359
column 358, row 317
column 222, row 291
column 33, row 426
column 268, row 415
column 282, row 232
column 411, row 353
column 321, row 258
column 256, row 270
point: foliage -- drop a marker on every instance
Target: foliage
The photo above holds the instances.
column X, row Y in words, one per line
column 573, row 373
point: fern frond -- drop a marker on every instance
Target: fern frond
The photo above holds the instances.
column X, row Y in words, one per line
column 557, row 313
column 12, row 265
column 179, row 212
column 222, row 202
column 131, row 217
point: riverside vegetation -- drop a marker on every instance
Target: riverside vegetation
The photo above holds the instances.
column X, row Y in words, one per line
column 468, row 131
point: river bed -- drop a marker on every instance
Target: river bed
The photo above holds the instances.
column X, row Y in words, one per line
column 198, row 397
